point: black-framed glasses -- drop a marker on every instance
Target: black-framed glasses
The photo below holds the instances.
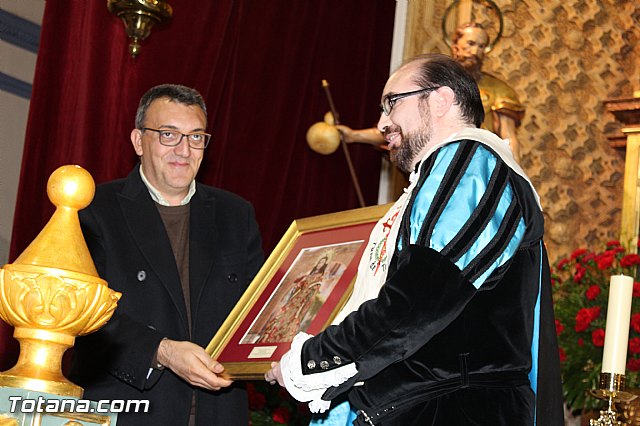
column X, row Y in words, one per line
column 169, row 137
column 390, row 100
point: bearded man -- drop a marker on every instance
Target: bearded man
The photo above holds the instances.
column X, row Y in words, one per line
column 461, row 331
column 503, row 111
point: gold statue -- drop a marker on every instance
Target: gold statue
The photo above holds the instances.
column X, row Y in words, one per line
column 502, row 109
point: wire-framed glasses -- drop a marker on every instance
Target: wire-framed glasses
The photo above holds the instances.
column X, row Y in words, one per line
column 169, row 137
column 390, row 100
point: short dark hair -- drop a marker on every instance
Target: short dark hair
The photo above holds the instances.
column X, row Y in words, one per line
column 175, row 93
column 436, row 70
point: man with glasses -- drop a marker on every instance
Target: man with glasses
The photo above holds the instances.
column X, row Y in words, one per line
column 461, row 330
column 503, row 110
column 182, row 253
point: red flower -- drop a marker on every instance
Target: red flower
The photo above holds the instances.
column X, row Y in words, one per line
column 636, row 289
column 577, row 253
column 562, row 263
column 559, row 327
column 633, row 364
column 629, row 260
column 587, row 257
column 605, row 260
column 634, row 345
column 563, row 356
column 580, row 341
column 593, row 292
column 580, row 271
column 635, row 322
column 597, row 337
column 585, row 316
column 281, row 415
column 613, row 243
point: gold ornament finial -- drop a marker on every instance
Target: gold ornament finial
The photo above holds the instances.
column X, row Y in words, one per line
column 52, row 293
column 139, row 16
column 60, row 244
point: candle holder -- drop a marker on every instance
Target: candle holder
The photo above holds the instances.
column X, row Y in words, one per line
column 612, row 389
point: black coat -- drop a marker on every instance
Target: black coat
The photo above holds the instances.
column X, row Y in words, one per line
column 131, row 250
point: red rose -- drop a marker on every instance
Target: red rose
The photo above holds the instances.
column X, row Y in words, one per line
column 281, row 415
column 580, row 341
column 587, row 257
column 593, row 292
column 597, row 337
column 563, row 356
column 562, row 263
column 585, row 316
column 580, row 271
column 636, row 289
column 635, row 322
column 634, row 345
column 577, row 253
column 613, row 243
column 559, row 327
column 629, row 260
column 605, row 260
column 633, row 364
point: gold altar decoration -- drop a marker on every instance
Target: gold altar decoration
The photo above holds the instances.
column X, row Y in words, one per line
column 611, row 389
column 627, row 113
column 52, row 292
column 139, row 16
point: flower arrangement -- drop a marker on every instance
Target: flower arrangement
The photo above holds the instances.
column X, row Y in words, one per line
column 272, row 405
column 581, row 293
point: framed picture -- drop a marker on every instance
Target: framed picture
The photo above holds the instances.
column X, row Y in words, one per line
column 301, row 287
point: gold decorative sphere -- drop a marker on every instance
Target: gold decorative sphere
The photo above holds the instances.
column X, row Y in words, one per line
column 323, row 138
column 71, row 186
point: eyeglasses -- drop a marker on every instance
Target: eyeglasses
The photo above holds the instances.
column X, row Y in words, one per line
column 390, row 100
column 169, row 137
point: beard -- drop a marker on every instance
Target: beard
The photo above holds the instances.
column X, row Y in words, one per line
column 404, row 156
column 472, row 64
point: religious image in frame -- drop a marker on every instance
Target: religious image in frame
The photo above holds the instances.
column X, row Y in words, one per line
column 301, row 287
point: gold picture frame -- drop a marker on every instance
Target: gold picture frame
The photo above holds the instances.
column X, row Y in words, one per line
column 301, row 287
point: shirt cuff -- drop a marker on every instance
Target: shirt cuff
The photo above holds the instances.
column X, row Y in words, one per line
column 311, row 387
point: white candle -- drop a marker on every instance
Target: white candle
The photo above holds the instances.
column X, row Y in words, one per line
column 616, row 337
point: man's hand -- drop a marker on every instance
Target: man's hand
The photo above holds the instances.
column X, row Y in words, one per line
column 192, row 363
column 274, row 375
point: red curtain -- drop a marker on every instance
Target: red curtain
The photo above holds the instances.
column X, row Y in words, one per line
column 259, row 65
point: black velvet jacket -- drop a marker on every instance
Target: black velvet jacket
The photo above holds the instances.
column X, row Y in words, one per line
column 433, row 349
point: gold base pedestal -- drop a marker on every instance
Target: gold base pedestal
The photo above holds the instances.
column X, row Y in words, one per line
column 611, row 389
column 39, row 365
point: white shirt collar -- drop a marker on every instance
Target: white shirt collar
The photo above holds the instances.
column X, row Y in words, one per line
column 157, row 196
